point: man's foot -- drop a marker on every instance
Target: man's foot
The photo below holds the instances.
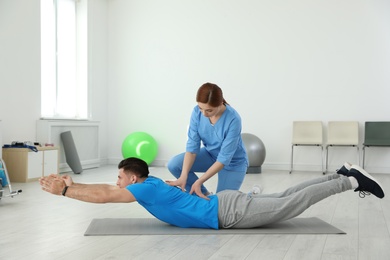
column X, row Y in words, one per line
column 344, row 170
column 367, row 183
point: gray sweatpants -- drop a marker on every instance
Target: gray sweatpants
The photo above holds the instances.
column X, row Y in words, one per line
column 236, row 210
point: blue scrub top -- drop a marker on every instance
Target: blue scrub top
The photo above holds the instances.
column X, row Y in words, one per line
column 222, row 140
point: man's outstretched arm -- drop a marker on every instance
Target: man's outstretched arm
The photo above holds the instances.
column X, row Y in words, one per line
column 94, row 193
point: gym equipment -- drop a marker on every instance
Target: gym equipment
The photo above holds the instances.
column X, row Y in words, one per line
column 255, row 150
column 140, row 145
column 71, row 155
column 6, row 182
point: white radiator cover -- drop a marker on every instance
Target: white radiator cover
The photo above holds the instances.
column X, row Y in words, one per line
column 85, row 135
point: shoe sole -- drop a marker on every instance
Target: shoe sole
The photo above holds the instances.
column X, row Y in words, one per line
column 347, row 165
column 366, row 174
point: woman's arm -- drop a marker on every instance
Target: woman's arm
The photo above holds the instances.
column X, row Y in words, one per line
column 196, row 187
column 189, row 159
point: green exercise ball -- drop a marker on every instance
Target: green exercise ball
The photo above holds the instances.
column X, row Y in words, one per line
column 140, row 145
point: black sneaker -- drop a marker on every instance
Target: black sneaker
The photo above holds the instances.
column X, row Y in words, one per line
column 344, row 170
column 367, row 184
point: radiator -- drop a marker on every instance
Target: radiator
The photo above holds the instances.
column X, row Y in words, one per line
column 85, row 135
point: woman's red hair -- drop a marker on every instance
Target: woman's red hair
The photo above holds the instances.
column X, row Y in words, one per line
column 210, row 94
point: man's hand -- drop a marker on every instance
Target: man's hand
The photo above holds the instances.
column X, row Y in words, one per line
column 68, row 180
column 53, row 184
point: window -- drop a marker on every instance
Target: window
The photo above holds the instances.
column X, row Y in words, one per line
column 64, row 85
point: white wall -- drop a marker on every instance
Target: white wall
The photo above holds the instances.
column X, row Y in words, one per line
column 277, row 61
column 19, row 69
column 98, row 70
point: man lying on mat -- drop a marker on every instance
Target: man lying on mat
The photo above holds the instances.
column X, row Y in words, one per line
column 226, row 209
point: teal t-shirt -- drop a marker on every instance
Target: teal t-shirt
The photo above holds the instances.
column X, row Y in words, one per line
column 175, row 207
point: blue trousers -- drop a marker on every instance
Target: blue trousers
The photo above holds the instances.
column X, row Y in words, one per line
column 227, row 180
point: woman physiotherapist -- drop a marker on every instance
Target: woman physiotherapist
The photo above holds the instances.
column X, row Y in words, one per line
column 216, row 125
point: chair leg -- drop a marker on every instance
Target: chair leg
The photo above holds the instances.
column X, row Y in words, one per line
column 358, row 154
column 292, row 155
column 326, row 159
column 322, row 160
column 364, row 155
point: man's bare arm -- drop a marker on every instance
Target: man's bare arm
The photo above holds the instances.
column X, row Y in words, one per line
column 94, row 193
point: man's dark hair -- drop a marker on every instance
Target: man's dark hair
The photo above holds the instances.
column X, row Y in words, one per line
column 135, row 166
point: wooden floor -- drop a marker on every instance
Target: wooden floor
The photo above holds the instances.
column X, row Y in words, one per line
column 37, row 225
